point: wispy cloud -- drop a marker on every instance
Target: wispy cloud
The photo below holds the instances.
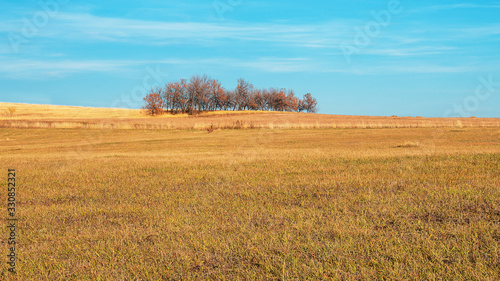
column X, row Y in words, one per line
column 422, row 68
column 481, row 31
column 320, row 41
column 40, row 69
column 87, row 27
column 410, row 51
column 285, row 65
column 435, row 8
column 392, row 69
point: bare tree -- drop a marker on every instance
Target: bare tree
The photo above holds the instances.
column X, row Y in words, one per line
column 310, row 103
column 216, row 95
column 198, row 93
column 154, row 102
column 242, row 92
column 201, row 93
column 292, row 102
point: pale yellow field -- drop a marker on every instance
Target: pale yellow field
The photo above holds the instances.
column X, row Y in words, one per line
column 25, row 111
column 46, row 116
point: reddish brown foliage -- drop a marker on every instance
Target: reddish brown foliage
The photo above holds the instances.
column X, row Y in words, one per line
column 204, row 94
column 154, row 103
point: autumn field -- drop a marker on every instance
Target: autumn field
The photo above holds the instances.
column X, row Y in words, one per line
column 66, row 117
column 291, row 197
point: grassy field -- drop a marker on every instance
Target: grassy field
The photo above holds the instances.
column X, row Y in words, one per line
column 50, row 116
column 299, row 196
column 414, row 203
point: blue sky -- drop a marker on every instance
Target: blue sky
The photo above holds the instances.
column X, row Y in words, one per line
column 358, row 57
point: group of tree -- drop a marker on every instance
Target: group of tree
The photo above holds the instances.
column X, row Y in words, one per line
column 200, row 93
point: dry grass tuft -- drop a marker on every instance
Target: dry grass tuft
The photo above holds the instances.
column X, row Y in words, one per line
column 409, row 144
column 11, row 111
column 211, row 129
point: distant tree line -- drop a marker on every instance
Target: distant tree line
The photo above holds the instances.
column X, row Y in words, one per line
column 201, row 93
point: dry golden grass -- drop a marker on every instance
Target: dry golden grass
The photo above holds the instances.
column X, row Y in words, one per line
column 345, row 204
column 409, row 144
column 57, row 112
column 42, row 116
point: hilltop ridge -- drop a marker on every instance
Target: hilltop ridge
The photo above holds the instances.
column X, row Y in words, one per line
column 18, row 115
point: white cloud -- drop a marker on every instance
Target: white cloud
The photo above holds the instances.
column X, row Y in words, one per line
column 435, row 8
column 483, row 31
column 39, row 69
column 409, row 51
column 84, row 26
column 414, row 68
column 78, row 27
column 322, row 40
